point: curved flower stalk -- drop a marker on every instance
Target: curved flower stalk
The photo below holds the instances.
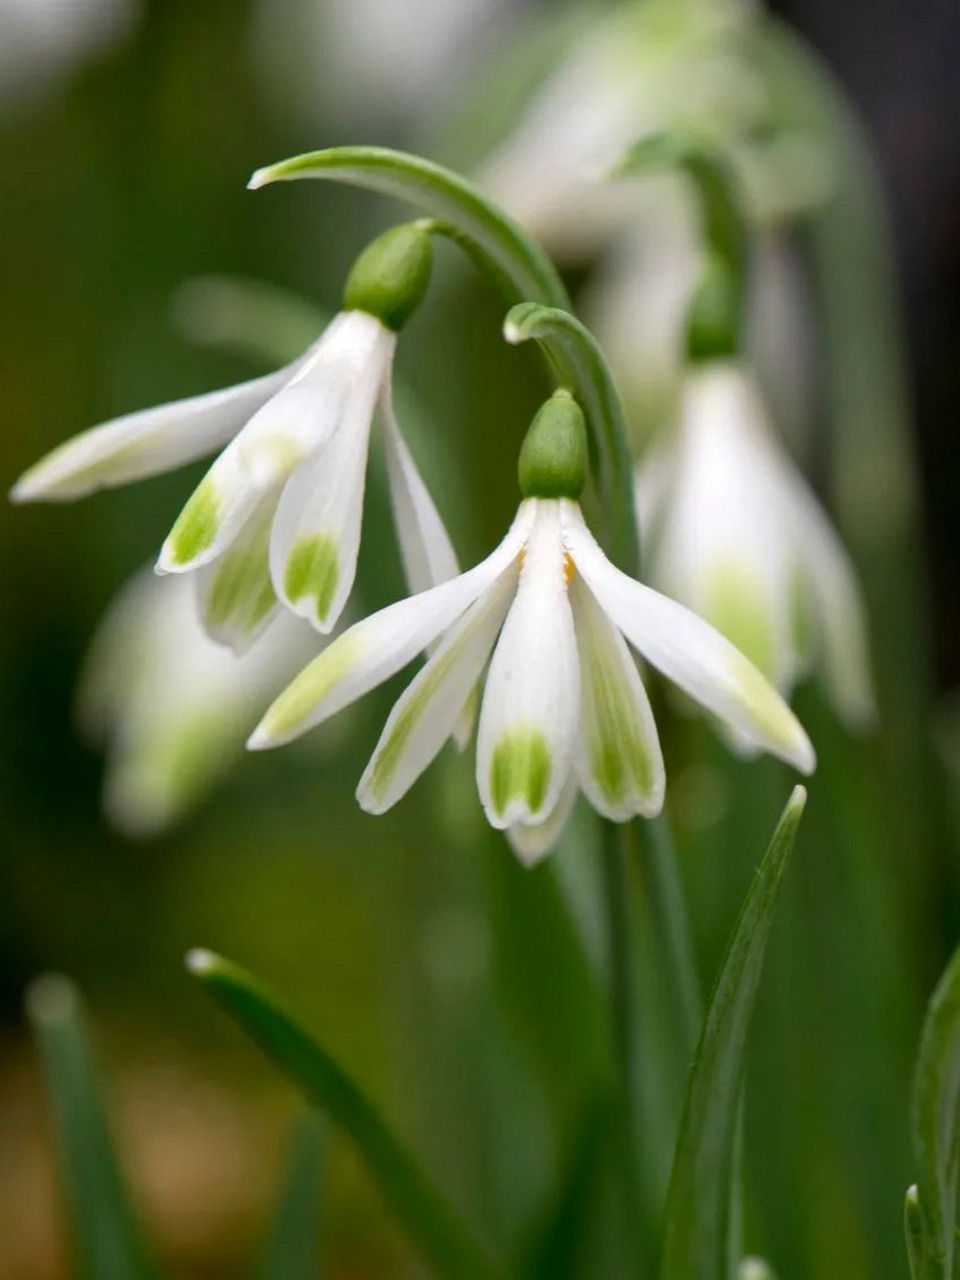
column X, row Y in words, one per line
column 172, row 707
column 563, row 707
column 732, row 529
column 277, row 518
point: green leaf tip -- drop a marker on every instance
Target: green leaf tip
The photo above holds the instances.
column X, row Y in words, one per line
column 446, row 1243
column 935, row 1127
column 390, row 277
column 497, row 243
column 699, row 1227
column 553, row 457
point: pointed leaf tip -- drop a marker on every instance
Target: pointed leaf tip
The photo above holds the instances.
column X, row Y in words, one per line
column 200, row 961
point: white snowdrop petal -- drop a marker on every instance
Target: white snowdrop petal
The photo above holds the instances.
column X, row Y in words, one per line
column 690, row 652
column 425, row 546
column 425, row 715
column 316, row 532
column 619, row 762
column 532, row 843
column 347, row 362
column 147, row 443
column 530, row 711
column 235, row 593
column 828, row 577
column 374, row 649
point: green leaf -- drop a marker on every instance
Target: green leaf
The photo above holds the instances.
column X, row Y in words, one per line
column 696, row 1244
column 578, row 363
column 448, row 1246
column 516, row 260
column 106, row 1239
column 293, row 1245
column 935, row 1118
column 924, row 1264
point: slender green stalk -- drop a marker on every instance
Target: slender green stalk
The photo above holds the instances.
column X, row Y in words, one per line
column 626, row 1032
column 669, row 911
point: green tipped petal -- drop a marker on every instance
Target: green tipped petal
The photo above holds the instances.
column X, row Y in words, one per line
column 313, row 570
column 196, row 526
column 520, row 770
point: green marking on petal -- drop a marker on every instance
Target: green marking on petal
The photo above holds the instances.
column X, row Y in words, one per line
column 197, row 524
column 736, row 606
column 241, row 593
column 390, row 754
column 314, row 684
column 620, row 759
column 769, row 711
column 314, row 570
column 520, row 770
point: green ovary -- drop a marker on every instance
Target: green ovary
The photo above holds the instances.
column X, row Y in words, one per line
column 197, row 524
column 520, row 770
column 734, row 603
column 314, row 570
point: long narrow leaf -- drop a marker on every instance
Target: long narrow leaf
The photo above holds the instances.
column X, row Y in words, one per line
column 935, row 1118
column 445, row 1243
column 696, row 1244
column 443, row 194
column 293, row 1244
column 924, row 1264
column 106, row 1240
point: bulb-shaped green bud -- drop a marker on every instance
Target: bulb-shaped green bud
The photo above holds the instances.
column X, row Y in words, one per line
column 390, row 277
column 553, row 458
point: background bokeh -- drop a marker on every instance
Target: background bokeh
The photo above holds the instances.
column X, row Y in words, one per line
column 459, row 989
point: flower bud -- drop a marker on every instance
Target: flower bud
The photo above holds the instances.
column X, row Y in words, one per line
column 390, row 277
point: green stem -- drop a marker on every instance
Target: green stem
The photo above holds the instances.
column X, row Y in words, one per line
column 626, row 1034
column 670, row 913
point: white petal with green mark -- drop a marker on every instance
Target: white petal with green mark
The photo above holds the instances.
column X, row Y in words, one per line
column 425, row 546
column 294, row 424
column 235, row 593
column 619, row 762
column 533, row 843
column 376, row 648
column 690, row 652
column 531, row 702
column 146, row 443
column 828, row 579
column 316, row 532
column 424, row 717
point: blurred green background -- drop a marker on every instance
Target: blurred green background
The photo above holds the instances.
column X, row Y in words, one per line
column 465, row 993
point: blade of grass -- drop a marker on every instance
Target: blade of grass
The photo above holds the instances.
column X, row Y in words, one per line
column 444, row 1242
column 935, row 1121
column 293, row 1243
column 106, row 1239
column 696, row 1241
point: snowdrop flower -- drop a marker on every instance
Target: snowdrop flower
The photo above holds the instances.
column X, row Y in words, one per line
column 733, row 531
column 277, row 518
column 645, row 68
column 172, row 707
column 563, row 706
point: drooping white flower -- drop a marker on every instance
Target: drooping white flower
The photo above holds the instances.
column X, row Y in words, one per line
column 563, row 706
column 171, row 706
column 646, row 67
column 277, row 518
column 732, row 529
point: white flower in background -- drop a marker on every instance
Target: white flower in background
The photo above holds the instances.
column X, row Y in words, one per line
column 277, row 518
column 563, row 706
column 647, row 67
column 731, row 528
column 172, row 707
column 40, row 40
column 366, row 58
